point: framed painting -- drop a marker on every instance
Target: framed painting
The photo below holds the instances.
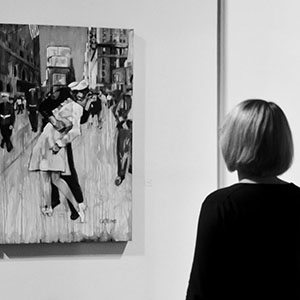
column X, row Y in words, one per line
column 66, row 134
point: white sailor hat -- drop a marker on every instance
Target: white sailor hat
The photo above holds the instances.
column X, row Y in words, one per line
column 82, row 85
column 72, row 85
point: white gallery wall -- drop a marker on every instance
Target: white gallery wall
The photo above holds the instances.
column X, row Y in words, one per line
column 175, row 155
column 262, row 60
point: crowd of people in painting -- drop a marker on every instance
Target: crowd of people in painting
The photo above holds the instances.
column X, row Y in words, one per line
column 58, row 117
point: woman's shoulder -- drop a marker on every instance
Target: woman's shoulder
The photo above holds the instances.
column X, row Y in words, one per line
column 222, row 193
column 248, row 190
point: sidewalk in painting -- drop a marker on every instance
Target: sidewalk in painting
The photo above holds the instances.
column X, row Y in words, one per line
column 23, row 193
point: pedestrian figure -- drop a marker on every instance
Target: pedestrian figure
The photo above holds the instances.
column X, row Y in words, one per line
column 19, row 105
column 95, row 110
column 124, row 150
column 7, row 120
column 32, row 107
column 124, row 136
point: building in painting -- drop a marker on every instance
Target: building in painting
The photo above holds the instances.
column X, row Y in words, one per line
column 60, row 71
column 19, row 58
column 109, row 58
column 62, row 54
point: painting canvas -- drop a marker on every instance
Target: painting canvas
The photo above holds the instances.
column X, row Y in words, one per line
column 66, row 134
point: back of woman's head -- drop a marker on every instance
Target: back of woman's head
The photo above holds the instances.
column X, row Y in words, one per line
column 256, row 139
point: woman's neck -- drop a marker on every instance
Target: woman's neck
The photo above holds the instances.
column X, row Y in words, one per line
column 244, row 178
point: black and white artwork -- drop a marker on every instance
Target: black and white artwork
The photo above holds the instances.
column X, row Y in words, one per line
column 66, row 96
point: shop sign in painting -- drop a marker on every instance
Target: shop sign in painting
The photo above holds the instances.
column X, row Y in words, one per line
column 66, row 134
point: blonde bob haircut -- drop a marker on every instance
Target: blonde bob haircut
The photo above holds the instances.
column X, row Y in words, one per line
column 256, row 139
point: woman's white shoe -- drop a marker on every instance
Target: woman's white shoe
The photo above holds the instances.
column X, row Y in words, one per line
column 47, row 211
column 82, row 209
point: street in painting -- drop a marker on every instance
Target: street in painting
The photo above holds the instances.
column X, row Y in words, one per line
column 66, row 134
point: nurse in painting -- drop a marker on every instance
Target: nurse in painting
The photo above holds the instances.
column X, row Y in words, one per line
column 49, row 153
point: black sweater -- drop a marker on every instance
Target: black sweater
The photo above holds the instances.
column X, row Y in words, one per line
column 247, row 244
